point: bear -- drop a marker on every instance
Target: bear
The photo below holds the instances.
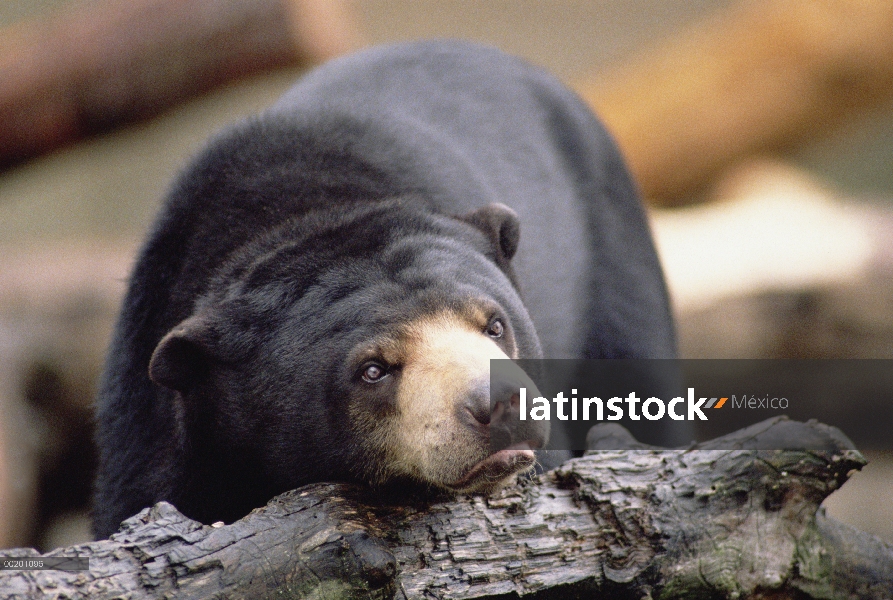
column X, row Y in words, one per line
column 323, row 289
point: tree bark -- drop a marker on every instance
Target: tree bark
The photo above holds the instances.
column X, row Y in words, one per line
column 641, row 523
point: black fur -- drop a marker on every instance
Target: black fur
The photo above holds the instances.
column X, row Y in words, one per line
column 361, row 199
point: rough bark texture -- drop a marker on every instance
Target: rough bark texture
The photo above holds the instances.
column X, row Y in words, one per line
column 696, row 523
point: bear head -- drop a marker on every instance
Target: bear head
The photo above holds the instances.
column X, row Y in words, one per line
column 353, row 344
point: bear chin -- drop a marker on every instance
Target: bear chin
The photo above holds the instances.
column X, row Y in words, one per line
column 496, row 471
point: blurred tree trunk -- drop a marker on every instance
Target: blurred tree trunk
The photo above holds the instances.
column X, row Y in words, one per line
column 762, row 76
column 111, row 62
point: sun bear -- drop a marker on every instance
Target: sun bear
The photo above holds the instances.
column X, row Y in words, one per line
column 323, row 289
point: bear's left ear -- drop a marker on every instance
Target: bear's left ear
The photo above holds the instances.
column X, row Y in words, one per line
column 500, row 223
column 183, row 356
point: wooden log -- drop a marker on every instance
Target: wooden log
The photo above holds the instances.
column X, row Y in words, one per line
column 708, row 522
column 763, row 76
column 111, row 62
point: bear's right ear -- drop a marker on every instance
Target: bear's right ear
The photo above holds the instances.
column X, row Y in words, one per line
column 501, row 224
column 182, row 356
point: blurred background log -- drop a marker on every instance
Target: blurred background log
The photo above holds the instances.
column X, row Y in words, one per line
column 763, row 76
column 682, row 112
column 100, row 65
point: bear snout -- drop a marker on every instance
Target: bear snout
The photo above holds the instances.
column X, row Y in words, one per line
column 492, row 409
column 477, row 403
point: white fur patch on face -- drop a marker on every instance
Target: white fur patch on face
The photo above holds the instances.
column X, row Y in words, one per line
column 435, row 438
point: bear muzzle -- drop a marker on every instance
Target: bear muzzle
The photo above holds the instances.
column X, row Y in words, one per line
column 492, row 410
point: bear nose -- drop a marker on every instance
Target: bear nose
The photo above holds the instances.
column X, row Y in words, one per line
column 477, row 402
column 487, row 407
column 504, row 400
column 506, row 428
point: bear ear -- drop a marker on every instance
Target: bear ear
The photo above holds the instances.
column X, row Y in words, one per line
column 501, row 225
column 181, row 357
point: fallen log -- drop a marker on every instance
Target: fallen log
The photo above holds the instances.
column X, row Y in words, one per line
column 700, row 522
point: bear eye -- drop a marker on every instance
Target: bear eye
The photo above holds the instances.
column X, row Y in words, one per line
column 495, row 329
column 373, row 373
